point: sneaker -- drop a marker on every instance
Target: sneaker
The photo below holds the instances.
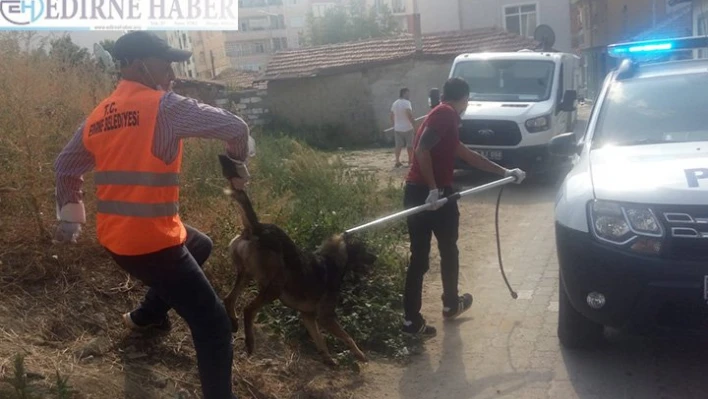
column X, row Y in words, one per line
column 129, row 319
column 463, row 304
column 418, row 329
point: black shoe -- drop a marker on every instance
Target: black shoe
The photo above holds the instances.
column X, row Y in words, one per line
column 133, row 321
column 418, row 329
column 463, row 304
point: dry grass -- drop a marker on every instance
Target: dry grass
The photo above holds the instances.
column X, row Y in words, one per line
column 60, row 305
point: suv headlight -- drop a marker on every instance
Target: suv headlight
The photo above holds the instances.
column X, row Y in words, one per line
column 622, row 225
column 540, row 124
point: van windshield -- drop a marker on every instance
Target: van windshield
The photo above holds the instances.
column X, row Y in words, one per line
column 652, row 110
column 507, row 80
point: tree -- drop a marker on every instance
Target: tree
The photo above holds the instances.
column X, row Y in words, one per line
column 349, row 22
column 66, row 51
column 107, row 45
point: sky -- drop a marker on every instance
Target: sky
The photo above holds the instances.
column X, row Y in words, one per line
column 87, row 39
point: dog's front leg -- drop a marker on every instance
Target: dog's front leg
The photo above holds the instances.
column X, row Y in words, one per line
column 310, row 322
column 331, row 324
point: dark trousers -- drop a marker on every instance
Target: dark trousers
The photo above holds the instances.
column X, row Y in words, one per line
column 177, row 281
column 444, row 223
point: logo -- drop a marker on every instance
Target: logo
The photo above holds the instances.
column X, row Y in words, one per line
column 486, row 132
column 122, row 15
column 21, row 12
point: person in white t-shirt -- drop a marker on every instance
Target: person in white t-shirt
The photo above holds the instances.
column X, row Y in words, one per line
column 403, row 125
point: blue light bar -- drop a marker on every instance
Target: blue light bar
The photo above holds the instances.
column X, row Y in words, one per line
column 649, row 47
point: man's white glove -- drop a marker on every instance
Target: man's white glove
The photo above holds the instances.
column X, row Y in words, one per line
column 433, row 197
column 517, row 173
column 70, row 216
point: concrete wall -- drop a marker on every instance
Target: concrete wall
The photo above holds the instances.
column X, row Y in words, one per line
column 252, row 106
column 418, row 75
column 356, row 103
column 555, row 13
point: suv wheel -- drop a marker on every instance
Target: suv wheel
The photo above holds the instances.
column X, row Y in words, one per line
column 575, row 331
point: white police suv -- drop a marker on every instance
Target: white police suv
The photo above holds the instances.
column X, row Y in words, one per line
column 631, row 217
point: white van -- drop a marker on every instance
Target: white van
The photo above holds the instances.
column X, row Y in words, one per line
column 519, row 101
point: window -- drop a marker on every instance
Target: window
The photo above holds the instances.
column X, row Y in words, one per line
column 280, row 43
column 521, row 19
column 654, row 110
column 507, row 80
column 258, row 48
column 701, row 29
column 259, row 23
column 399, row 6
column 297, row 22
column 190, row 74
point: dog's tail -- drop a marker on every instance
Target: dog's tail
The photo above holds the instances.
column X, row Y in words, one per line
column 248, row 214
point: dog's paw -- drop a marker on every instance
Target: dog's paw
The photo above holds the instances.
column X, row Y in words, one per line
column 361, row 357
column 329, row 361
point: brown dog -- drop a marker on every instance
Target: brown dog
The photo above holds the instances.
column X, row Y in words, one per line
column 306, row 282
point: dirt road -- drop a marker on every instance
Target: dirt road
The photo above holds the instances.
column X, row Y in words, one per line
column 506, row 348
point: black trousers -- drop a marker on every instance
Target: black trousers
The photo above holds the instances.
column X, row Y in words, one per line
column 444, row 223
column 177, row 281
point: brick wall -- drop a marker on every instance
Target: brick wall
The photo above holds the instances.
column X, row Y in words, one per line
column 252, row 106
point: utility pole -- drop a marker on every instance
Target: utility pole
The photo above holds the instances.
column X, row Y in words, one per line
column 417, row 34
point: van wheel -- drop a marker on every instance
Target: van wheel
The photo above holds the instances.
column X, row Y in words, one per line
column 575, row 331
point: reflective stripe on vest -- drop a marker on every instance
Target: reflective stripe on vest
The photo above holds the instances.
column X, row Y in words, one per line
column 138, row 210
column 136, row 179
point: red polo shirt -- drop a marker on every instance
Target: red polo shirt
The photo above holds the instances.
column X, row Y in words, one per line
column 444, row 121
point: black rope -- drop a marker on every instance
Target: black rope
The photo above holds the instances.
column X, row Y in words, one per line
column 499, row 256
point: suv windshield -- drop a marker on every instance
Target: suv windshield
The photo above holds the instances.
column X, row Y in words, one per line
column 654, row 110
column 507, row 80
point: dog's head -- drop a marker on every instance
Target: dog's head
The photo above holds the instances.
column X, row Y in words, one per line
column 348, row 253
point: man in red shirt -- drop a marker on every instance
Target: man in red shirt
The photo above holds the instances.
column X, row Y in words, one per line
column 436, row 145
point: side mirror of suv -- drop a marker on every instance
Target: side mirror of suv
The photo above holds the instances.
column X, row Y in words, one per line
column 564, row 145
column 569, row 99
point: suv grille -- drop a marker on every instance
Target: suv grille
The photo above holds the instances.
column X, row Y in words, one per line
column 490, row 132
column 687, row 230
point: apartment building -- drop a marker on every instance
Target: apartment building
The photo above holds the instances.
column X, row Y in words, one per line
column 598, row 23
column 700, row 17
column 209, row 56
column 265, row 26
column 182, row 40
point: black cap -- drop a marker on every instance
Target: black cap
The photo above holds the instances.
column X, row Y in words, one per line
column 142, row 44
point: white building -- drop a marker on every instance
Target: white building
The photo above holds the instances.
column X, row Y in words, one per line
column 518, row 16
column 521, row 17
column 181, row 40
column 265, row 27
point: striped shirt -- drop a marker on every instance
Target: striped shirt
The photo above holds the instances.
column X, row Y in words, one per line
column 178, row 118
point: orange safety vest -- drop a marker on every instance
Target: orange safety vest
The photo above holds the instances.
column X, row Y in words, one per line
column 138, row 194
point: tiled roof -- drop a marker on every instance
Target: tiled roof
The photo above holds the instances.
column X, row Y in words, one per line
column 237, row 79
column 320, row 60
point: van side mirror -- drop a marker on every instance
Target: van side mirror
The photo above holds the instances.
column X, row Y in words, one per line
column 434, row 98
column 568, row 102
column 564, row 145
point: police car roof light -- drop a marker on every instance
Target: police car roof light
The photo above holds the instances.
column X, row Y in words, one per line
column 649, row 47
